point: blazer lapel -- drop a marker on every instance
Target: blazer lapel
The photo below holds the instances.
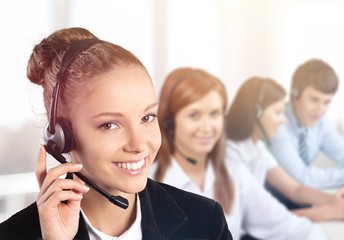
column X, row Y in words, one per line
column 82, row 233
column 161, row 216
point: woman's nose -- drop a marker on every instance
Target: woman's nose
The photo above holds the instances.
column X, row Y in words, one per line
column 206, row 124
column 136, row 140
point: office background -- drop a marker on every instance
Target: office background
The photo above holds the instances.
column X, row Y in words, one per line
column 233, row 39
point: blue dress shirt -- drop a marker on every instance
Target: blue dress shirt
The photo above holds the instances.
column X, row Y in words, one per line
column 322, row 138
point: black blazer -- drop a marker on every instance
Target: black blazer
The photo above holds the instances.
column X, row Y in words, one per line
column 167, row 213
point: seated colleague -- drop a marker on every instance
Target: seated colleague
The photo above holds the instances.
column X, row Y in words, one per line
column 107, row 99
column 192, row 157
column 256, row 113
column 307, row 131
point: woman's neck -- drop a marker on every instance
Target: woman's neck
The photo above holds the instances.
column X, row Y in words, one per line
column 255, row 135
column 107, row 217
column 195, row 171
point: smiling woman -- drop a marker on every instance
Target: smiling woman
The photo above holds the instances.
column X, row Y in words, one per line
column 102, row 110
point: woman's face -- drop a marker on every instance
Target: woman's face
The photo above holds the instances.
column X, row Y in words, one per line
column 199, row 126
column 116, row 130
column 272, row 117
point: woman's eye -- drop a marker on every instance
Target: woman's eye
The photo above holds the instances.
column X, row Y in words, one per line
column 216, row 113
column 194, row 115
column 313, row 100
column 149, row 118
column 109, row 126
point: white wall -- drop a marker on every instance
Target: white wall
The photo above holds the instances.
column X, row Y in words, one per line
column 234, row 39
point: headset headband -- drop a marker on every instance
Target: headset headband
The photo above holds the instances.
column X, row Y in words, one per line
column 67, row 59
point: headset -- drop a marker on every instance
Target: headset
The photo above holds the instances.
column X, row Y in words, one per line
column 58, row 134
column 259, row 108
column 295, row 93
column 298, row 78
column 169, row 123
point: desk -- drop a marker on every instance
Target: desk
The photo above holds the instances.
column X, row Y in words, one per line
column 333, row 230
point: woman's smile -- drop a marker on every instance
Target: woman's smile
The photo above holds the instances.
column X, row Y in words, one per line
column 134, row 167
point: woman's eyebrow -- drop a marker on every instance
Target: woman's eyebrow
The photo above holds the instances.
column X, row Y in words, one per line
column 150, row 106
column 117, row 114
column 112, row 114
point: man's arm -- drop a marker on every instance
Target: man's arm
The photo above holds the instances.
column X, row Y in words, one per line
column 332, row 142
column 288, row 157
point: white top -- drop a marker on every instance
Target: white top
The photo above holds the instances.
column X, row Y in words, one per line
column 256, row 157
column 254, row 210
column 133, row 233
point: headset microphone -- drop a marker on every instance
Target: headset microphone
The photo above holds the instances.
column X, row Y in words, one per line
column 190, row 160
column 259, row 111
column 262, row 130
column 58, row 134
column 117, row 200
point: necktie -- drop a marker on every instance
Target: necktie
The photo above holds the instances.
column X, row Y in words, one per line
column 303, row 148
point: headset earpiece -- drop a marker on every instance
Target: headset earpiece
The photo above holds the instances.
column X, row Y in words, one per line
column 62, row 141
column 169, row 126
column 259, row 108
column 259, row 111
column 295, row 93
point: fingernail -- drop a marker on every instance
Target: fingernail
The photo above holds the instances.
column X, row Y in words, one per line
column 78, row 165
column 41, row 148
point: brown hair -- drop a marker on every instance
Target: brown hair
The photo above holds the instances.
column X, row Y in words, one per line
column 46, row 57
column 182, row 87
column 315, row 73
column 255, row 94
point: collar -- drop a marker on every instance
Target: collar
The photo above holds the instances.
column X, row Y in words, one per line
column 134, row 231
column 183, row 181
column 294, row 122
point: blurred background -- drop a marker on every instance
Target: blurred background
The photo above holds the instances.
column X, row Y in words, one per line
column 233, row 39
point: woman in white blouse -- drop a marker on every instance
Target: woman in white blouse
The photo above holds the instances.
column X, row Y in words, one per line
column 256, row 113
column 192, row 157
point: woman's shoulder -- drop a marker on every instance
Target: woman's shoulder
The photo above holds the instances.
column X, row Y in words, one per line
column 171, row 198
column 23, row 223
column 179, row 195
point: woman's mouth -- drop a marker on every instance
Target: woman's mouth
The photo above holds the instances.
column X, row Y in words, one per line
column 205, row 140
column 132, row 166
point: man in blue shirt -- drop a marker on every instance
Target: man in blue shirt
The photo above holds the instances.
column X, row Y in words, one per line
column 308, row 132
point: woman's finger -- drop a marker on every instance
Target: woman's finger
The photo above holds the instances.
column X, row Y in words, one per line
column 63, row 185
column 57, row 198
column 55, row 173
column 41, row 171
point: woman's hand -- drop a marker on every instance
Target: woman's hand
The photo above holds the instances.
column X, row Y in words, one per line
column 58, row 220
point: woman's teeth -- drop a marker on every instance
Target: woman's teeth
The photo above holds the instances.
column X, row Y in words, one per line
column 132, row 166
